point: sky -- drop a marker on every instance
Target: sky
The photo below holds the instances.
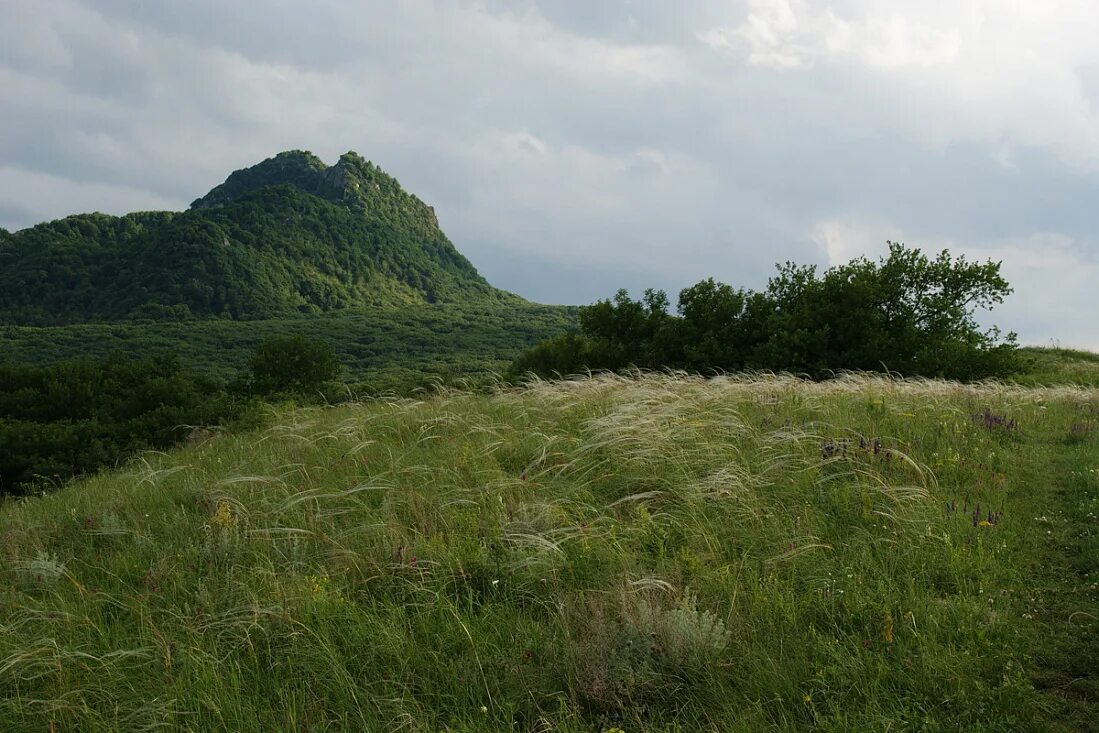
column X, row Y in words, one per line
column 571, row 148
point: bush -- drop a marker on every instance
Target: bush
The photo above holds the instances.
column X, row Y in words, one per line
column 292, row 364
column 906, row 313
column 75, row 417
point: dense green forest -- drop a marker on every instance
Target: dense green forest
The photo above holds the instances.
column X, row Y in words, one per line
column 70, row 418
column 78, row 416
column 77, row 398
column 381, row 348
column 288, row 236
column 907, row 314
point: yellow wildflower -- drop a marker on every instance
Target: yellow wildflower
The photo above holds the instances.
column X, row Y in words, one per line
column 224, row 516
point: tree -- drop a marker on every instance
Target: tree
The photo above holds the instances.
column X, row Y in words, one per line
column 628, row 331
column 69, row 418
column 906, row 313
column 294, row 364
column 712, row 332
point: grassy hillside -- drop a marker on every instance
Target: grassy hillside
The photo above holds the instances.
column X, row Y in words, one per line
column 1059, row 366
column 383, row 348
column 653, row 554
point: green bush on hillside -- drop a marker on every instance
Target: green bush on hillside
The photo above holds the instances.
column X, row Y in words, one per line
column 907, row 313
column 292, row 364
column 76, row 417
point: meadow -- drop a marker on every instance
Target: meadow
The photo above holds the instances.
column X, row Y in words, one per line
column 650, row 552
column 1044, row 366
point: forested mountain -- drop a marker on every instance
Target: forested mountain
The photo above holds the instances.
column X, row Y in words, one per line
column 287, row 236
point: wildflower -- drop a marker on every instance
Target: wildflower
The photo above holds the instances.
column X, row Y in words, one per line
column 484, row 710
column 316, row 584
column 991, row 420
column 224, row 516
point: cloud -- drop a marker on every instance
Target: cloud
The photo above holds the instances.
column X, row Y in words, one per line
column 790, row 34
column 774, row 35
column 1054, row 278
column 842, row 241
column 943, row 69
column 30, row 196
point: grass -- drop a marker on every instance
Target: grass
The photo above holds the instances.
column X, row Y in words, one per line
column 656, row 553
column 1059, row 366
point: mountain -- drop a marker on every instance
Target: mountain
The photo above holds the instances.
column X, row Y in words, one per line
column 290, row 235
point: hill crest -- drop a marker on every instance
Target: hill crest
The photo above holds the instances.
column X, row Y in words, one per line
column 288, row 235
column 353, row 181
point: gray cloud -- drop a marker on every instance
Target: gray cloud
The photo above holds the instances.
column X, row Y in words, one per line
column 571, row 148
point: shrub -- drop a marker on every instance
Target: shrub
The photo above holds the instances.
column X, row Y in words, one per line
column 906, row 313
column 75, row 417
column 292, row 364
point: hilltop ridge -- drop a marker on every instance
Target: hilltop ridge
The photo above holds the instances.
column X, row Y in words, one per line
column 353, row 181
column 289, row 235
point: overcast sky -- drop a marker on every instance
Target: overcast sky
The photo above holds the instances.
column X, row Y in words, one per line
column 574, row 147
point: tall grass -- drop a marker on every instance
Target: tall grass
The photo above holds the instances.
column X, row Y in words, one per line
column 651, row 552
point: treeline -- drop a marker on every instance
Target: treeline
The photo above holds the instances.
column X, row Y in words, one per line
column 905, row 313
column 384, row 347
column 72, row 418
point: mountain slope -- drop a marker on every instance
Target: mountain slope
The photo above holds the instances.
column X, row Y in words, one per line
column 289, row 235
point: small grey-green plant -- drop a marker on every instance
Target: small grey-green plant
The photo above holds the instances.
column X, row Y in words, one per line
column 682, row 635
column 45, row 568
